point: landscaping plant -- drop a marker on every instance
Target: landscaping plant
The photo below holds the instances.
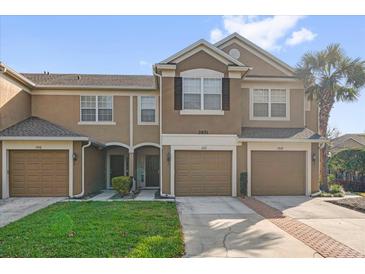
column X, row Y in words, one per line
column 330, row 75
column 122, row 184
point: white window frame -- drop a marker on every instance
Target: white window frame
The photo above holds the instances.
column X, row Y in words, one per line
column 201, row 74
column 139, row 103
column 269, row 118
column 97, row 122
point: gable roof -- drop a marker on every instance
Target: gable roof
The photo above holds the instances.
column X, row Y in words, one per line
column 255, row 47
column 359, row 138
column 43, row 80
column 37, row 128
column 210, row 47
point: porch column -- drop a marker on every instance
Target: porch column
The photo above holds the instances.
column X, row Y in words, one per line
column 131, row 164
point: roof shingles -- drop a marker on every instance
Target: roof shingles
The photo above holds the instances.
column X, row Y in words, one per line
column 87, row 80
column 36, row 127
column 279, row 133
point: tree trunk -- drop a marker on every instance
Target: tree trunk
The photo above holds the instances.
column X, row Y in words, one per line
column 326, row 103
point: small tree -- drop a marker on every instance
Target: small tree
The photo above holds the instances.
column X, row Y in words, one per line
column 329, row 76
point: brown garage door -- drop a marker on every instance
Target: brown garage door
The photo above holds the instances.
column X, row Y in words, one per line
column 278, row 172
column 203, row 173
column 38, row 173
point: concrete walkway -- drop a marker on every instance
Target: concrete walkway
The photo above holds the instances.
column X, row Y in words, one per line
column 104, row 196
column 224, row 227
column 342, row 224
column 146, row 195
column 13, row 209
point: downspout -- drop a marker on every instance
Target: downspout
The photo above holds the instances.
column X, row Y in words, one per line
column 82, row 171
column 160, row 117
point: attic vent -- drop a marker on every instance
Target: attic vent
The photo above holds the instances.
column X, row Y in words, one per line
column 235, row 53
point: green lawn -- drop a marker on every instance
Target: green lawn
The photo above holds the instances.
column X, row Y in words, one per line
column 96, row 229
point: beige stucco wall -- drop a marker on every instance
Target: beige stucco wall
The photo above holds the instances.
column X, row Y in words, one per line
column 64, row 110
column 77, row 168
column 94, row 170
column 296, row 111
column 144, row 133
column 260, row 67
column 165, row 184
column 315, row 168
column 201, row 60
column 173, row 122
column 15, row 103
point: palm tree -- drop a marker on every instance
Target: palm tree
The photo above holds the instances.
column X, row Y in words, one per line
column 330, row 75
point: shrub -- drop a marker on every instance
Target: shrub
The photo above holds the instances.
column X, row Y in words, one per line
column 331, row 178
column 243, row 183
column 336, row 189
column 122, row 184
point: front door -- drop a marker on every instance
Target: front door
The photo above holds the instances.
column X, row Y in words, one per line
column 152, row 170
column 116, row 166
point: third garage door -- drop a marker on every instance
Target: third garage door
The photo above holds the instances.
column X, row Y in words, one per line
column 203, row 173
column 38, row 173
column 278, row 172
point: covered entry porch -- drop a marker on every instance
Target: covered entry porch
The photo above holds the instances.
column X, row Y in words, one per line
column 142, row 162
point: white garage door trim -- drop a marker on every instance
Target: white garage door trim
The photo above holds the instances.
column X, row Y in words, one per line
column 276, row 146
column 233, row 149
column 34, row 145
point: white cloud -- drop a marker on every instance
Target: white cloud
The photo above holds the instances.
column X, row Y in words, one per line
column 300, row 36
column 216, row 35
column 144, row 63
column 267, row 31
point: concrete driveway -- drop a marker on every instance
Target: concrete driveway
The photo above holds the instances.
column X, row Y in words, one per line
column 342, row 224
column 13, row 209
column 224, row 227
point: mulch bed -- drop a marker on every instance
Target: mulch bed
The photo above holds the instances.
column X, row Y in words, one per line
column 357, row 203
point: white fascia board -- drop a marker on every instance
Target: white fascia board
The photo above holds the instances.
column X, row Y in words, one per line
column 199, row 140
column 40, row 138
column 16, row 75
column 206, row 44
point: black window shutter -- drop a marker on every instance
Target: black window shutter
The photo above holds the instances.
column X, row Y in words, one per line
column 178, row 93
column 225, row 94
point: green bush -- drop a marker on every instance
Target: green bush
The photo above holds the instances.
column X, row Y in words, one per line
column 243, row 183
column 331, row 178
column 122, row 184
column 336, row 189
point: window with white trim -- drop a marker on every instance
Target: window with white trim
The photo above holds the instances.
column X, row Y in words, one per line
column 202, row 93
column 269, row 103
column 96, row 108
column 147, row 107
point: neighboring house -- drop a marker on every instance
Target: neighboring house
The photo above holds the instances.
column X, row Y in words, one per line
column 208, row 113
column 347, row 141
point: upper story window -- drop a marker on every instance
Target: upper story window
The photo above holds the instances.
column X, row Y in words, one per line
column 96, row 108
column 269, row 104
column 202, row 93
column 147, row 110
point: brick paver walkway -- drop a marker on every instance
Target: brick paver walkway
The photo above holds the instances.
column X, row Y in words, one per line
column 320, row 242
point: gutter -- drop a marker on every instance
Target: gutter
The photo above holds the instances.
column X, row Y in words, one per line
column 82, row 171
column 160, row 114
column 15, row 75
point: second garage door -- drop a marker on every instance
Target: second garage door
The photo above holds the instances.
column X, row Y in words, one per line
column 38, row 173
column 278, row 172
column 203, row 173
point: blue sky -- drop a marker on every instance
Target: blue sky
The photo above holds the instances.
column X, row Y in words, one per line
column 131, row 44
